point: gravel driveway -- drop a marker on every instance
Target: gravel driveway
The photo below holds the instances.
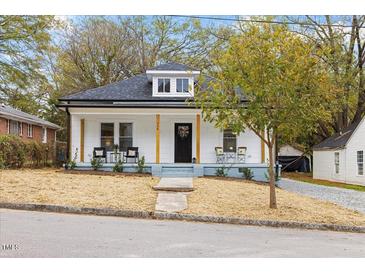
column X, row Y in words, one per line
column 348, row 198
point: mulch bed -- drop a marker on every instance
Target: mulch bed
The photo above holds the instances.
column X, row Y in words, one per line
column 104, row 173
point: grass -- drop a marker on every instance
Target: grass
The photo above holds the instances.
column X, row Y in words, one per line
column 51, row 186
column 244, row 199
column 307, row 177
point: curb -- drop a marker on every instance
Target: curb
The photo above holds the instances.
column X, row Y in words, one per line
column 181, row 217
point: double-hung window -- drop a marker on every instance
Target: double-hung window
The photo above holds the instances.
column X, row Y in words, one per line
column 337, row 162
column 163, row 85
column 13, row 127
column 229, row 141
column 107, row 136
column 30, row 130
column 182, row 85
column 360, row 162
column 125, row 136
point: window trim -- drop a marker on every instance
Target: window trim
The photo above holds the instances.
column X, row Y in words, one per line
column 225, row 137
column 337, row 162
column 163, row 86
column 20, row 128
column 17, row 130
column 30, row 131
column 44, row 135
column 360, row 163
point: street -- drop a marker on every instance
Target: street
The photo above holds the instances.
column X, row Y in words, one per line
column 38, row 234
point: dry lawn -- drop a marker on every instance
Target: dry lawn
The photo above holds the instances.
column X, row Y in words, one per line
column 50, row 186
column 238, row 198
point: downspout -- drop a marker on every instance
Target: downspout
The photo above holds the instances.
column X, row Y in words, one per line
column 68, row 137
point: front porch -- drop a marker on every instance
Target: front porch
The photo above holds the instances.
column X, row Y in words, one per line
column 260, row 171
column 173, row 142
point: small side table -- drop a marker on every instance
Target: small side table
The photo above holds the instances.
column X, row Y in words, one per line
column 115, row 157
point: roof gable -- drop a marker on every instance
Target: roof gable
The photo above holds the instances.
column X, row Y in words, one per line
column 338, row 140
column 12, row 113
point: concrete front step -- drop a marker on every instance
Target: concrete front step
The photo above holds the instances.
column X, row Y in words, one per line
column 177, row 184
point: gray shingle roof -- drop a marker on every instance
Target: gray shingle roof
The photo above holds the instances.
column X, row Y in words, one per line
column 173, row 67
column 136, row 88
column 337, row 140
column 12, row 113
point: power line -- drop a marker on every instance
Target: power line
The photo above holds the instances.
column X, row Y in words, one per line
column 261, row 21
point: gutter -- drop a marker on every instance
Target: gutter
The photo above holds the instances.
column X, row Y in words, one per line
column 27, row 120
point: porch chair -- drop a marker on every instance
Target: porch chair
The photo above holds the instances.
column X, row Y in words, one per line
column 132, row 152
column 219, row 154
column 100, row 152
column 241, row 154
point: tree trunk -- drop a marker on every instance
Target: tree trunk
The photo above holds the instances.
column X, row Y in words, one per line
column 272, row 177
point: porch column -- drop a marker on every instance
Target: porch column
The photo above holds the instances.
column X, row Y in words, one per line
column 68, row 137
column 157, row 138
column 82, row 138
column 198, row 138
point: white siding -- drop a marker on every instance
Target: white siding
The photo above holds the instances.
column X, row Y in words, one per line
column 324, row 165
column 323, row 161
column 144, row 133
column 356, row 143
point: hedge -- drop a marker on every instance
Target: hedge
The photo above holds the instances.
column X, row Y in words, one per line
column 16, row 152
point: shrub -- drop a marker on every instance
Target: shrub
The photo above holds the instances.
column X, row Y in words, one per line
column 13, row 151
column 96, row 163
column 72, row 164
column 247, row 173
column 221, row 172
column 118, row 167
column 141, row 165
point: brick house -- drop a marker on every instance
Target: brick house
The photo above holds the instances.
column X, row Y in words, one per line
column 26, row 126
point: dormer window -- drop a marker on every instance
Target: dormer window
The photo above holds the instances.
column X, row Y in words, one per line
column 182, row 85
column 164, row 85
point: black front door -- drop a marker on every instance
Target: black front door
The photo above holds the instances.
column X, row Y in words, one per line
column 183, row 142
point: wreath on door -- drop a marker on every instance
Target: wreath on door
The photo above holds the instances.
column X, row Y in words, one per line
column 183, row 131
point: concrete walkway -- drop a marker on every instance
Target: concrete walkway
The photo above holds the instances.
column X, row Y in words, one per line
column 171, row 201
column 172, row 194
column 345, row 197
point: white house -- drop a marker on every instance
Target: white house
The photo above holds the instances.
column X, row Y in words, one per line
column 151, row 111
column 340, row 157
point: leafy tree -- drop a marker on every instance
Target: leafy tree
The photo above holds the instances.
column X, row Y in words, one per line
column 344, row 58
column 22, row 41
column 279, row 74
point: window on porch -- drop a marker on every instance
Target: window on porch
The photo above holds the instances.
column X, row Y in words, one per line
column 125, row 136
column 107, row 136
column 229, row 141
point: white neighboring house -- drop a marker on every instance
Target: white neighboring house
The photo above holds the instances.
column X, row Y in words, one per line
column 151, row 111
column 340, row 157
column 293, row 158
